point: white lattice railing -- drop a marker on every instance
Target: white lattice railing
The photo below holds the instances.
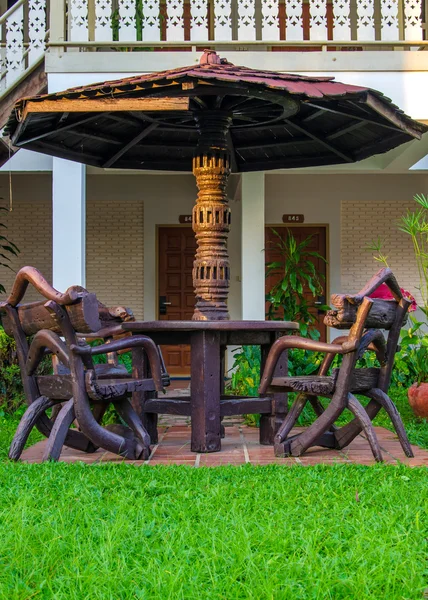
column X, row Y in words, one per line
column 23, row 33
column 245, row 20
column 84, row 23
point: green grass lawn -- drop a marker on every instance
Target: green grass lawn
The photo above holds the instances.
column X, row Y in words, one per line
column 118, row 531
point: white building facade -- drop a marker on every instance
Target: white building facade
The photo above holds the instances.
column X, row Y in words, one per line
column 102, row 228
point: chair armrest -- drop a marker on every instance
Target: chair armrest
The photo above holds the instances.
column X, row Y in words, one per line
column 293, row 341
column 136, row 341
column 42, row 341
column 104, row 333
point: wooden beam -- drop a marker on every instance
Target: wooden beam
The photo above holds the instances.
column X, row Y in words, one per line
column 105, row 104
column 273, row 144
column 350, row 115
column 344, row 129
column 63, row 152
column 98, row 137
column 144, row 133
column 40, row 136
column 321, row 141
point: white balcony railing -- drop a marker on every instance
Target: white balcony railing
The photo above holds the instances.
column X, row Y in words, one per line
column 291, row 24
column 244, row 20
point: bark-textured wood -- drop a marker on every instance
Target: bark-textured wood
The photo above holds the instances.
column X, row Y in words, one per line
column 205, row 392
column 344, row 313
column 75, row 380
column 56, row 440
column 358, row 410
column 270, row 423
column 26, row 424
column 342, row 383
column 127, row 413
column 34, row 316
column 45, row 340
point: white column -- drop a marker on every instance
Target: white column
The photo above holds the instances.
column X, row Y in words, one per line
column 69, row 223
column 252, row 246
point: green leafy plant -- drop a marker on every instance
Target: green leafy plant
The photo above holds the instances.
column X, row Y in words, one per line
column 411, row 362
column 12, row 399
column 415, row 224
column 287, row 301
column 296, row 272
column 7, row 250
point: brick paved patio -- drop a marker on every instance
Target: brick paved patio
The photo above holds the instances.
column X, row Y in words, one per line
column 240, row 446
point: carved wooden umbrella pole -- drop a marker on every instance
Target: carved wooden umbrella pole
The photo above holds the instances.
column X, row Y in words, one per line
column 213, row 118
column 211, row 218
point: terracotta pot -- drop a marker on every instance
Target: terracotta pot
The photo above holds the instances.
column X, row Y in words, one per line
column 418, row 399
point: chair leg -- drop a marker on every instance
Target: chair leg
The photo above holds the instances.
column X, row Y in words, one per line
column 26, row 424
column 59, row 431
column 298, row 445
column 293, row 414
column 395, row 417
column 130, row 417
column 358, row 410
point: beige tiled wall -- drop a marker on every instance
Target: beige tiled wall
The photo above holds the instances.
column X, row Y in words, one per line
column 115, row 252
column 114, row 239
column 364, row 221
column 29, row 225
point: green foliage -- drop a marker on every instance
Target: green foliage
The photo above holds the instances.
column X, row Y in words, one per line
column 411, row 362
column 11, row 392
column 246, row 371
column 7, row 249
column 415, row 224
column 12, row 399
column 286, row 302
column 296, row 270
column 413, row 356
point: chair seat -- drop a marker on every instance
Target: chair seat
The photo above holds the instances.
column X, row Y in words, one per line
column 311, row 384
column 110, row 389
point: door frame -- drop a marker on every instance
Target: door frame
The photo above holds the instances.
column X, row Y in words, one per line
column 159, row 226
column 326, row 226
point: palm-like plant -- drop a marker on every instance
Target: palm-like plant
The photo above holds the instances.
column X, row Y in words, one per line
column 7, row 249
column 415, row 224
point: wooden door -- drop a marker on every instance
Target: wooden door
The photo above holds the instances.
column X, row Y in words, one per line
column 317, row 244
column 176, row 297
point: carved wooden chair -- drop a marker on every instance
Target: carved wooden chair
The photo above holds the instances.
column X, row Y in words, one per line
column 366, row 317
column 77, row 389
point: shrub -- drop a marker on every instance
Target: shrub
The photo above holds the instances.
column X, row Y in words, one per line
column 11, row 391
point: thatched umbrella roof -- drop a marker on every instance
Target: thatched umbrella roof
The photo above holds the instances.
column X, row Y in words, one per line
column 150, row 122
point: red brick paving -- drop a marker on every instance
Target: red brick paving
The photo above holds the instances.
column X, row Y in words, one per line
column 240, row 446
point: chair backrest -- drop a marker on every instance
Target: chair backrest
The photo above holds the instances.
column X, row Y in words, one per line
column 84, row 312
column 384, row 315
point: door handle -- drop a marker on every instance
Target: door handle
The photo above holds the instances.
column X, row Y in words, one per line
column 320, row 301
column 163, row 304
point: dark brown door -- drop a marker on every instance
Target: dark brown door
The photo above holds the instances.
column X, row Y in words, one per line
column 176, row 298
column 317, row 244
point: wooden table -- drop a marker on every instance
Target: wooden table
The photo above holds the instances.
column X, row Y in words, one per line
column 208, row 341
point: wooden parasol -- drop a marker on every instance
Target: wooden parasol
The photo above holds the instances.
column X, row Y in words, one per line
column 213, row 118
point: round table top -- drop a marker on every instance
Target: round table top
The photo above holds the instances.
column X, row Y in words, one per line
column 210, row 326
